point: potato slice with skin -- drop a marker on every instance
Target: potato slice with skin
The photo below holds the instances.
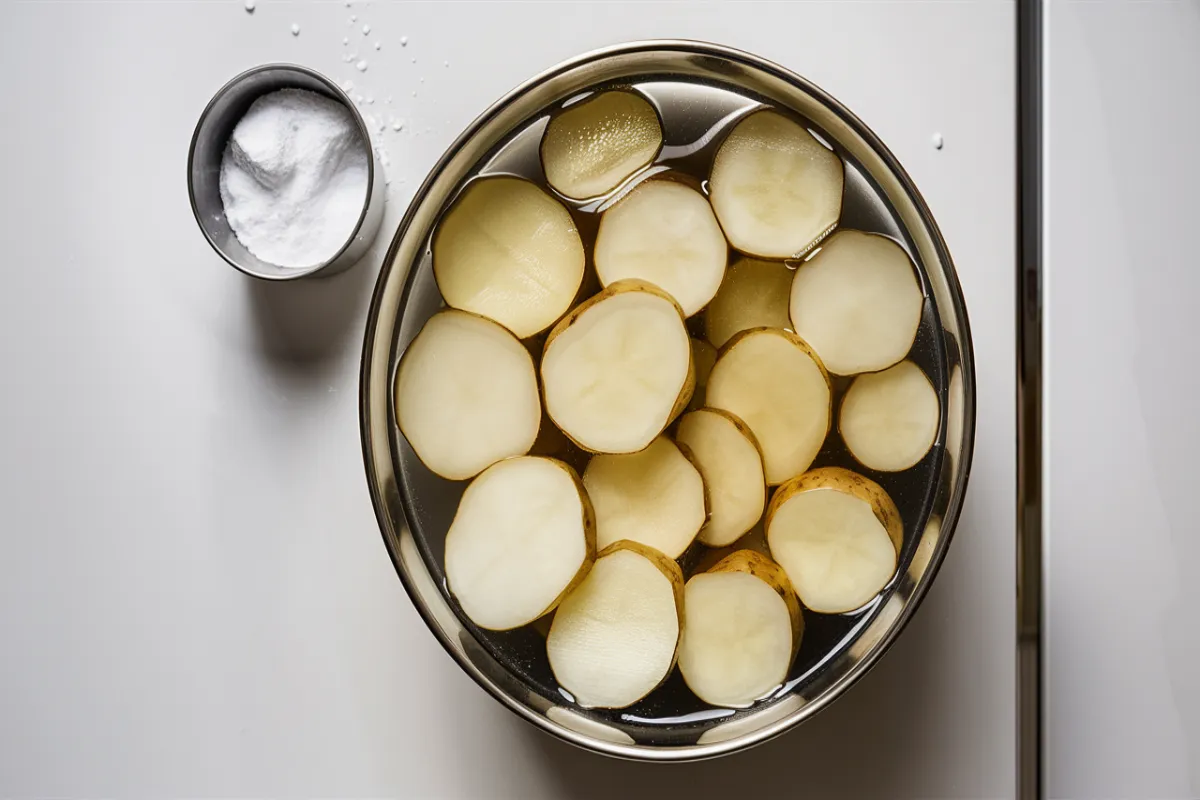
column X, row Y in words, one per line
column 655, row 497
column 593, row 146
column 664, row 233
column 523, row 536
column 771, row 380
column 837, row 536
column 614, row 638
column 777, row 191
column 508, row 251
column 742, row 630
column 704, row 355
column 618, row 369
column 466, row 395
column 729, row 460
column 889, row 419
column 857, row 302
column 754, row 295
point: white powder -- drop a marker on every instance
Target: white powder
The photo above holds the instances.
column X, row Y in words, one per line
column 294, row 178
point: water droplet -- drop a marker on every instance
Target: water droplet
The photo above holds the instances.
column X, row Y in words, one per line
column 378, row 45
column 398, row 125
column 249, row 6
column 366, row 29
column 445, row 63
column 370, row 101
column 361, row 65
column 358, row 98
column 404, row 41
column 389, row 100
column 345, row 41
column 792, row 263
column 347, row 86
column 414, row 59
column 353, row 18
column 414, row 94
column 295, row 29
column 422, row 79
column 704, row 187
column 938, row 141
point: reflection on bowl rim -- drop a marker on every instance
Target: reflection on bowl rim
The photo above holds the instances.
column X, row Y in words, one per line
column 874, row 639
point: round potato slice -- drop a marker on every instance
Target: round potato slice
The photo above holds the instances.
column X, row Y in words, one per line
column 741, row 631
column 889, row 419
column 523, row 536
column 508, row 251
column 618, row 369
column 771, row 380
column 654, row 496
column 754, row 294
column 837, row 535
column 593, row 146
column 466, row 395
column 614, row 638
column 727, row 454
column 857, row 302
column 664, row 233
column 776, row 190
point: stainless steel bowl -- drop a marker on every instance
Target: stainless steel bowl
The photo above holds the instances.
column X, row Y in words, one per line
column 407, row 503
column 212, row 133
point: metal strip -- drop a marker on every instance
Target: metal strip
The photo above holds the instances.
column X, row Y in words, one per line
column 1030, row 774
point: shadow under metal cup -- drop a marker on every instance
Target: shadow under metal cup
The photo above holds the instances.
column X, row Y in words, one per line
column 212, row 134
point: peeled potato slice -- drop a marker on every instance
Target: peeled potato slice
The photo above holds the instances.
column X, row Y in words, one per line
column 857, row 302
column 741, row 631
column 889, row 419
column 523, row 536
column 614, row 638
column 754, row 294
column 704, row 355
column 509, row 251
column 727, row 454
column 773, row 382
column 590, row 148
column 618, row 368
column 664, row 233
column 837, row 535
column 466, row 395
column 654, row 497
column 775, row 188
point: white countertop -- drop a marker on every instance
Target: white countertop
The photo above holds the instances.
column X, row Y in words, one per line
column 194, row 595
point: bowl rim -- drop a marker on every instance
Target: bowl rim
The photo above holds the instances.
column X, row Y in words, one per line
column 344, row 99
column 962, row 467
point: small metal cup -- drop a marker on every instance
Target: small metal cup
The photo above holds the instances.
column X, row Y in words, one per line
column 212, row 134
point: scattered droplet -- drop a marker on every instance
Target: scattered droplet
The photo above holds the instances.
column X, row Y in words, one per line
column 422, row 79
column 414, row 59
column 445, row 63
column 347, row 86
column 397, row 124
column 404, row 41
column 346, row 58
column 358, row 98
column 389, row 100
column 295, row 29
column 366, row 29
column 938, row 141
column 249, row 6
column 361, row 65
column 345, row 41
column 414, row 94
column 370, row 101
column 378, row 45
column 353, row 18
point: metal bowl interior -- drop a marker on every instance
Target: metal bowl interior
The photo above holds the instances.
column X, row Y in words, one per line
column 406, row 295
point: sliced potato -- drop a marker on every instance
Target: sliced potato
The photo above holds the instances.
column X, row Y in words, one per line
column 754, row 294
column 655, row 497
column 776, row 190
column 857, row 302
column 509, row 251
column 523, row 536
column 729, row 460
column 591, row 147
column 889, row 419
column 664, row 233
column 742, row 629
column 837, row 535
column 771, row 380
column 704, row 355
column 466, row 395
column 618, row 369
column 614, row 638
